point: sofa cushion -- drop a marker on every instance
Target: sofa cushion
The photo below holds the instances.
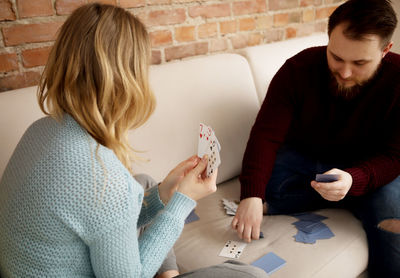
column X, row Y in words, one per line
column 344, row 255
column 216, row 90
column 265, row 60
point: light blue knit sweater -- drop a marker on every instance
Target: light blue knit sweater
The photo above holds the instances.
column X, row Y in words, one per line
column 56, row 221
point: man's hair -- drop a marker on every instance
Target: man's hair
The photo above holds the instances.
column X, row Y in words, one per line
column 97, row 72
column 365, row 17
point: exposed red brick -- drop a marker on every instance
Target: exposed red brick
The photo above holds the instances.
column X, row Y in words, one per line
column 218, row 45
column 109, row 2
column 255, row 39
column 249, row 7
column 6, row 11
column 247, row 24
column 294, row 17
column 274, row 35
column 227, row 27
column 26, row 33
column 64, row 7
column 308, row 15
column 165, row 17
column 155, row 57
column 185, row 33
column 281, row 19
column 8, row 62
column 158, row 2
column 20, row 80
column 162, row 37
column 291, row 32
column 264, row 22
column 207, row 11
column 132, row 3
column 281, row 5
column 335, row 1
column 184, row 1
column 304, row 3
column 321, row 26
column 207, row 30
column 324, row 12
column 182, row 51
column 305, row 30
column 239, row 41
column 35, row 57
column 30, row 8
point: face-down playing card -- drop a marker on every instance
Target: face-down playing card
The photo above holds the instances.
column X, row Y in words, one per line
column 270, row 262
column 326, row 177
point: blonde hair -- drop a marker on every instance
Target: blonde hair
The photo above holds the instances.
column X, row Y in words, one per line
column 97, row 72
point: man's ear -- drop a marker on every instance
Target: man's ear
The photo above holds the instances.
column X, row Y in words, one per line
column 387, row 49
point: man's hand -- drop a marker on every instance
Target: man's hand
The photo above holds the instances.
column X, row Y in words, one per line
column 337, row 190
column 248, row 218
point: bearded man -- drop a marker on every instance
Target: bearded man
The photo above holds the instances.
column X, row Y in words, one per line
column 333, row 110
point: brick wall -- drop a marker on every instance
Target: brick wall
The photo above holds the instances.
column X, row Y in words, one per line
column 178, row 28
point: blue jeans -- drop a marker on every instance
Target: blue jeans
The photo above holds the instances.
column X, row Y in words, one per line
column 289, row 191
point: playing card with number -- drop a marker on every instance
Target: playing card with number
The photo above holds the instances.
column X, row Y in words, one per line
column 205, row 133
column 232, row 249
column 208, row 144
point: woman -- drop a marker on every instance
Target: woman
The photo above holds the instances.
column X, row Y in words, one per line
column 69, row 206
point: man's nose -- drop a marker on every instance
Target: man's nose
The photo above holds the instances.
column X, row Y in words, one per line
column 345, row 72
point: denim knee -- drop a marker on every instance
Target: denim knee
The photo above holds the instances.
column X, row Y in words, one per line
column 383, row 244
column 145, row 180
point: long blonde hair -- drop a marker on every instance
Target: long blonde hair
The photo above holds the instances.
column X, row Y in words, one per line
column 97, row 72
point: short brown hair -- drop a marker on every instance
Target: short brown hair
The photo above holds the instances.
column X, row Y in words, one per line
column 365, row 17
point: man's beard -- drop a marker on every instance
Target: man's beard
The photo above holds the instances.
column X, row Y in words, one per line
column 351, row 92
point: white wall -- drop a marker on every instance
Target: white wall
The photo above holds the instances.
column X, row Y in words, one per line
column 396, row 36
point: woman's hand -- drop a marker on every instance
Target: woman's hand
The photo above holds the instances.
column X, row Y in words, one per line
column 196, row 184
column 169, row 185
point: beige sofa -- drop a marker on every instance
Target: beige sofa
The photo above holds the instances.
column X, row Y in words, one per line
column 225, row 92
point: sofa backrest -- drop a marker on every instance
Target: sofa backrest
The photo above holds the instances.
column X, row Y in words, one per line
column 18, row 110
column 217, row 90
column 265, row 60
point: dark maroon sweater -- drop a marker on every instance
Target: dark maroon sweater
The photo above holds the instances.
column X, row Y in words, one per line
column 300, row 111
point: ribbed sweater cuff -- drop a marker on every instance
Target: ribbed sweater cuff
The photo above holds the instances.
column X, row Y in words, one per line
column 180, row 205
column 360, row 181
column 153, row 199
column 251, row 189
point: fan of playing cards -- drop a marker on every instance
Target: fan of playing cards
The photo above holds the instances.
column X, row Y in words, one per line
column 209, row 145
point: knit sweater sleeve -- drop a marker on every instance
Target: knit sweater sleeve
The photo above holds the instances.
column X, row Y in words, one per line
column 105, row 216
column 151, row 205
column 117, row 252
column 267, row 134
column 379, row 170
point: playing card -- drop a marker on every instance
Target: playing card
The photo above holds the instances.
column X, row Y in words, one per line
column 326, row 177
column 205, row 134
column 232, row 249
column 304, row 238
column 192, row 217
column 324, row 233
column 309, row 216
column 270, row 262
column 214, row 159
column 309, row 226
